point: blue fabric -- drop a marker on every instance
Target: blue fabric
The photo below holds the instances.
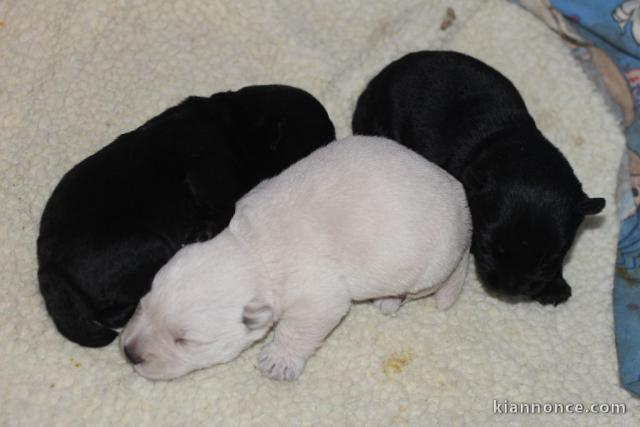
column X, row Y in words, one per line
column 608, row 21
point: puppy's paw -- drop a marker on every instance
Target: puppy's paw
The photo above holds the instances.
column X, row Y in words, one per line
column 554, row 294
column 279, row 364
column 388, row 306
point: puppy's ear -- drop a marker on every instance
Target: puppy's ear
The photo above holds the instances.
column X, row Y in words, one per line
column 590, row 206
column 257, row 314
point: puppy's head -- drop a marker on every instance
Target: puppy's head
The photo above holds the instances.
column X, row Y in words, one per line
column 522, row 251
column 203, row 309
column 524, row 225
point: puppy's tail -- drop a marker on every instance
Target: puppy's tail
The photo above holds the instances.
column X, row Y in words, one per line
column 70, row 311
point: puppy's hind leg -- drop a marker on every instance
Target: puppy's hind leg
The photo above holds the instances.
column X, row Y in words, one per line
column 388, row 306
column 300, row 332
column 451, row 288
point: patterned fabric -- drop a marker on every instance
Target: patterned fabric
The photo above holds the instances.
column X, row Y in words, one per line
column 613, row 26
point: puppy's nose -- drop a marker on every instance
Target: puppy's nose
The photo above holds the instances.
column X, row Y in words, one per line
column 132, row 356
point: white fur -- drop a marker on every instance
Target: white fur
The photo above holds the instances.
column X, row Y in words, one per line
column 363, row 218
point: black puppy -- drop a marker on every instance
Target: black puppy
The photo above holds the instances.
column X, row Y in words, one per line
column 118, row 216
column 525, row 200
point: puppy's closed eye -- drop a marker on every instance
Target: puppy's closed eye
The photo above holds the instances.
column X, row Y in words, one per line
column 186, row 342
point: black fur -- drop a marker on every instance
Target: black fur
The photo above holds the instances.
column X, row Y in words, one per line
column 525, row 200
column 118, row 216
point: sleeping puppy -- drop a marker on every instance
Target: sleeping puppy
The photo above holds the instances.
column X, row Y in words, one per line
column 118, row 216
column 359, row 219
column 525, row 200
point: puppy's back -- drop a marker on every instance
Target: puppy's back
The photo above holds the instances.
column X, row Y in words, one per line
column 439, row 103
column 363, row 201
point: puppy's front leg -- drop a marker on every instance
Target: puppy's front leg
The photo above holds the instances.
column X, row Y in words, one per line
column 299, row 333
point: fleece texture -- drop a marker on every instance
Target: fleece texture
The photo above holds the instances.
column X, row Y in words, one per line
column 75, row 74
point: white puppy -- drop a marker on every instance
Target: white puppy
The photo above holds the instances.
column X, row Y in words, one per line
column 362, row 218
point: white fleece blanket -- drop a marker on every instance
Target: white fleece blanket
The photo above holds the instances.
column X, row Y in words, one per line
column 76, row 73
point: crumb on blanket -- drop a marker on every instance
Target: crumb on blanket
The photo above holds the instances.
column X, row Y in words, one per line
column 449, row 17
column 397, row 361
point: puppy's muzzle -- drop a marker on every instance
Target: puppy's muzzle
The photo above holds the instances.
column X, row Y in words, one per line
column 132, row 356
